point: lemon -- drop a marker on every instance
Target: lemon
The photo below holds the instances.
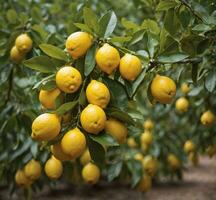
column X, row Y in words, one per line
column 148, row 124
column 182, row 104
column 131, row 142
column 173, row 162
column 211, row 151
column 185, row 88
column 163, row 89
column 45, row 127
column 93, row 119
column 68, row 79
column 208, row 118
column 130, row 67
column 145, row 183
column 98, row 94
column 21, row 179
column 138, row 156
column 16, row 56
column 33, row 170
column 53, row 168
column 78, row 43
column 194, row 158
column 189, row 146
column 73, row 143
column 91, row 173
column 146, row 138
column 117, row 130
column 150, row 165
column 107, row 58
column 85, row 158
column 144, row 147
column 23, row 43
column 48, row 98
column 58, row 153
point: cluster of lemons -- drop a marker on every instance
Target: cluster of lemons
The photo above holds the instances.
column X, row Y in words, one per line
column 23, row 44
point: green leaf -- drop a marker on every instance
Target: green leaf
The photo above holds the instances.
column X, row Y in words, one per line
column 114, row 170
column 194, row 72
column 166, row 5
column 104, row 139
column 120, row 115
column 107, row 24
column 11, row 16
column 90, row 60
column 49, row 85
column 172, row 58
column 53, row 52
column 40, row 63
column 210, row 81
column 137, row 36
column 34, row 149
column 151, row 26
column 66, row 107
column 151, row 44
column 195, row 91
column 90, row 19
column 128, row 24
column 120, row 39
column 83, row 27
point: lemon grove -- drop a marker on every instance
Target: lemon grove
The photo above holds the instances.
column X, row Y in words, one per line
column 95, row 95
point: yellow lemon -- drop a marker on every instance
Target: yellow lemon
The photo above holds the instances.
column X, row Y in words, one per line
column 211, row 151
column 21, row 179
column 93, row 119
column 182, row 104
column 58, row 153
column 45, row 127
column 107, row 58
column 47, row 98
column 148, row 124
column 173, row 161
column 138, row 156
column 78, row 43
column 194, row 158
column 146, row 138
column 16, row 56
column 150, row 165
column 130, row 67
column 73, row 143
column 53, row 168
column 85, row 158
column 98, row 94
column 131, row 142
column 117, row 130
column 91, row 173
column 23, row 43
column 144, row 147
column 208, row 118
column 189, row 146
column 163, row 89
column 145, row 183
column 68, row 79
column 185, row 88
column 33, row 170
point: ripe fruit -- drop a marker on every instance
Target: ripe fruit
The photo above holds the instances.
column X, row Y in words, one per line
column 91, row 173
column 185, row 88
column 211, row 151
column 21, row 179
column 78, row 43
column 107, row 58
column 144, row 147
column 45, row 127
column 53, row 168
column 130, row 67
column 73, row 143
column 173, row 161
column 145, row 183
column 131, row 142
column 189, row 146
column 98, row 94
column 148, row 124
column 47, row 98
column 194, row 158
column 150, row 165
column 117, row 129
column 58, row 153
column 15, row 55
column 68, row 79
column 32, row 170
column 138, row 156
column 146, row 138
column 208, row 118
column 182, row 104
column 163, row 89
column 93, row 119
column 85, row 157
column 23, row 43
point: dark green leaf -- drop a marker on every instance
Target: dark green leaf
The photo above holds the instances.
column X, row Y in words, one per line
column 90, row 60
column 66, row 107
column 90, row 19
column 166, row 5
column 83, row 27
column 172, row 58
column 137, row 36
column 114, row 170
column 194, row 72
column 210, row 81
